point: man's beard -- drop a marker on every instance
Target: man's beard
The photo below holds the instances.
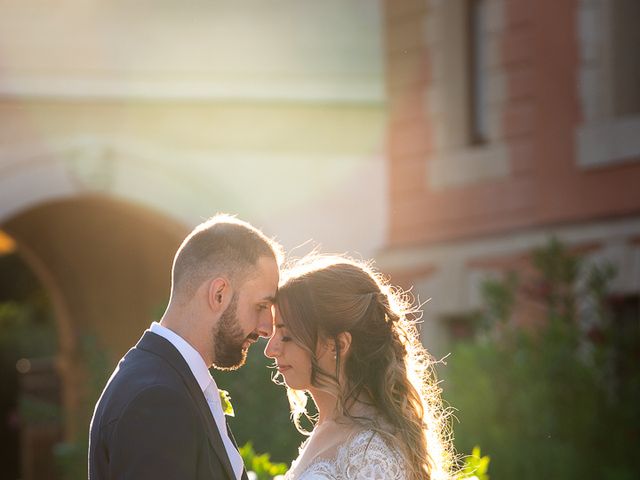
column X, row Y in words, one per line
column 228, row 339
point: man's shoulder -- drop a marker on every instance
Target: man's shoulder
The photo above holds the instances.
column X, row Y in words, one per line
column 137, row 374
column 144, row 401
column 142, row 368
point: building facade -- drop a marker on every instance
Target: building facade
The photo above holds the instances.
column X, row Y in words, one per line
column 510, row 121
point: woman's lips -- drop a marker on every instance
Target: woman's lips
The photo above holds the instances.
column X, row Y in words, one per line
column 283, row 368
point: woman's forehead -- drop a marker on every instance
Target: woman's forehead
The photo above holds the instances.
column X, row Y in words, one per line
column 278, row 318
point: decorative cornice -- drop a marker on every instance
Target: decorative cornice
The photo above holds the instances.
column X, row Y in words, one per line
column 360, row 91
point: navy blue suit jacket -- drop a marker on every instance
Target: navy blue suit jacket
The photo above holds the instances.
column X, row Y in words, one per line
column 153, row 422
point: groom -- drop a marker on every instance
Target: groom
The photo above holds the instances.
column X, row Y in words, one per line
column 160, row 415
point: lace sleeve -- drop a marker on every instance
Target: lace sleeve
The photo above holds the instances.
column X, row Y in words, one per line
column 369, row 457
column 365, row 456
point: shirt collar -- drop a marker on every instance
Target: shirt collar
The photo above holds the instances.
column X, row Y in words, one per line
column 190, row 355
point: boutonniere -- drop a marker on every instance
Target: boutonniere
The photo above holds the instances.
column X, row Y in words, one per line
column 225, row 401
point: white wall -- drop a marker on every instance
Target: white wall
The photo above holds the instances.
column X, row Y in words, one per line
column 273, row 110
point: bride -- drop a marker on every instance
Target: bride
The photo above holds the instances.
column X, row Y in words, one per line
column 344, row 336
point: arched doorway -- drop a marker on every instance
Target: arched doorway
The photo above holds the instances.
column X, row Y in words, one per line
column 105, row 265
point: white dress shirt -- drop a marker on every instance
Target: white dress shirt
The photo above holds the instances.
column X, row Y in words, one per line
column 209, row 389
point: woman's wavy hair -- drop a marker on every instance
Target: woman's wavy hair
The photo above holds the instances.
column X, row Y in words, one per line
column 386, row 365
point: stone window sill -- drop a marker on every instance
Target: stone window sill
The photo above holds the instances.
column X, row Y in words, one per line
column 608, row 142
column 467, row 166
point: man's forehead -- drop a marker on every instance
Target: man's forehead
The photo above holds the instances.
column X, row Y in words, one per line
column 265, row 279
column 269, row 298
column 268, row 271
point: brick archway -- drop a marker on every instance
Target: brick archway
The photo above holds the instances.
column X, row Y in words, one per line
column 105, row 264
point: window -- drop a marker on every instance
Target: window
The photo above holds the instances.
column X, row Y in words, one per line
column 625, row 60
column 466, row 92
column 478, row 122
column 609, row 40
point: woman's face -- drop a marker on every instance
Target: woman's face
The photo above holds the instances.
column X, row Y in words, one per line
column 292, row 361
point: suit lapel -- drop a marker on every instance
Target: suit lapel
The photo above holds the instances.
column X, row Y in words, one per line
column 233, row 440
column 162, row 347
column 230, row 434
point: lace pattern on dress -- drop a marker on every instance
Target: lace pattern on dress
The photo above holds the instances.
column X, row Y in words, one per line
column 367, row 456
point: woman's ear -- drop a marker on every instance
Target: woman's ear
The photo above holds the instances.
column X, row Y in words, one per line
column 331, row 346
column 343, row 341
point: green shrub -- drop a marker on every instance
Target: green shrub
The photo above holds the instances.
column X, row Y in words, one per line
column 71, row 457
column 260, row 464
column 557, row 400
column 475, row 466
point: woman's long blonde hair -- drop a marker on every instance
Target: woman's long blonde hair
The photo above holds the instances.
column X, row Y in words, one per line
column 386, row 365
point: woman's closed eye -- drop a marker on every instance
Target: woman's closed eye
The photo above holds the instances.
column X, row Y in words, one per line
column 282, row 332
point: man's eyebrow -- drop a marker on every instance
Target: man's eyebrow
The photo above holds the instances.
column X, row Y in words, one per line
column 269, row 298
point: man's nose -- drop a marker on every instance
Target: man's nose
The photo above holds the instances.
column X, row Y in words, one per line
column 265, row 329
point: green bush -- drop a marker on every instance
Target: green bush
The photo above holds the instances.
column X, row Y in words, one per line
column 27, row 330
column 260, row 464
column 558, row 400
column 475, row 467
column 71, row 457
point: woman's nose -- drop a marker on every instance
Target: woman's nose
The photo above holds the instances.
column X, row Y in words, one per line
column 272, row 349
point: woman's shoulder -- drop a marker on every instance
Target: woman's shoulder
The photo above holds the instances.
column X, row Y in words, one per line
column 367, row 442
column 360, row 454
column 371, row 454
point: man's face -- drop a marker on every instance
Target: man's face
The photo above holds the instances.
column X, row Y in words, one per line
column 248, row 316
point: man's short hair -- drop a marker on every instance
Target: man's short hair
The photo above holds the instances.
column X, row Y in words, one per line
column 222, row 245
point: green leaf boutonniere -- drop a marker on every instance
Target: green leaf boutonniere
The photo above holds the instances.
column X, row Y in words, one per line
column 225, row 401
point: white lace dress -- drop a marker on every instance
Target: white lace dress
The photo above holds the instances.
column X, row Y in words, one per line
column 365, row 456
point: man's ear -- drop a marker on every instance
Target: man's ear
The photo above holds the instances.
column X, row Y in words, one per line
column 219, row 294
